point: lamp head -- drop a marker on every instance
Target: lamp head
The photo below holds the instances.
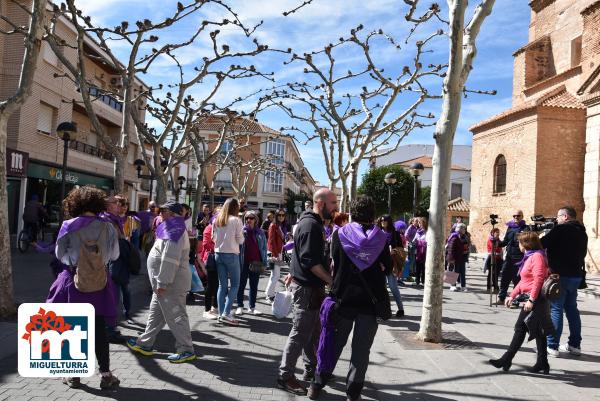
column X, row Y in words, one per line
column 416, row 169
column 67, row 131
column 390, row 178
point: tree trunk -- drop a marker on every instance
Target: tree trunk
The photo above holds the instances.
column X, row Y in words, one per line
column 212, row 199
column 7, row 305
column 459, row 66
column 119, row 169
column 198, row 194
column 161, row 189
column 353, row 183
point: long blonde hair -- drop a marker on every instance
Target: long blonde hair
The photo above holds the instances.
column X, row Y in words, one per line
column 231, row 207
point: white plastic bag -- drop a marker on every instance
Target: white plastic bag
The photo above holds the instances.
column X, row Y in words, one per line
column 282, row 304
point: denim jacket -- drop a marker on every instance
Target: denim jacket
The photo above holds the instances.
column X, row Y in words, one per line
column 262, row 247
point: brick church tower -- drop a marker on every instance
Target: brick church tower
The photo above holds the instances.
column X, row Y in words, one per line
column 544, row 152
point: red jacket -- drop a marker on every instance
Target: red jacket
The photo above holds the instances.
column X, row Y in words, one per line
column 533, row 274
column 275, row 241
column 498, row 250
column 208, row 245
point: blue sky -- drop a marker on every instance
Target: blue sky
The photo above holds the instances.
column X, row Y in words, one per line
column 321, row 23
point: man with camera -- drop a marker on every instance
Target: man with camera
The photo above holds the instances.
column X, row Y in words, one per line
column 566, row 247
column 510, row 270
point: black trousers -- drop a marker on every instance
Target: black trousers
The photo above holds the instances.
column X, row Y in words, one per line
column 102, row 352
column 420, row 272
column 210, row 292
column 508, row 274
column 492, row 277
column 519, row 338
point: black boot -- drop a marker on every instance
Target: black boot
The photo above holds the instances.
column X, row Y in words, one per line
column 541, row 365
column 505, row 361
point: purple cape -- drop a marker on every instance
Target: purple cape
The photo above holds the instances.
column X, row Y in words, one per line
column 362, row 249
column 146, row 218
column 400, row 225
column 411, row 231
column 69, row 226
column 512, row 224
column 526, row 256
column 326, row 350
column 113, row 218
column 104, row 301
column 171, row 229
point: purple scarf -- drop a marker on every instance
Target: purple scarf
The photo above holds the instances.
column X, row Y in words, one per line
column 146, row 218
column 118, row 221
column 329, row 231
column 362, row 249
column 69, row 226
column 411, row 231
column 171, row 229
column 527, row 255
column 512, row 224
column 326, row 350
column 400, row 225
column 452, row 236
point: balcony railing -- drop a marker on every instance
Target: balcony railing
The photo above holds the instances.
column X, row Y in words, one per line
column 107, row 99
column 90, row 150
column 225, row 184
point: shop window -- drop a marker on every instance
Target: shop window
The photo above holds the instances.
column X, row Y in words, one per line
column 500, row 175
column 456, row 190
column 46, row 119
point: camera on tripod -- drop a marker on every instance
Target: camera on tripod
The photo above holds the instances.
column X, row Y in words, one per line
column 541, row 223
column 493, row 220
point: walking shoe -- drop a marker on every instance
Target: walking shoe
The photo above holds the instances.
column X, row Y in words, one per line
column 453, row 288
column 308, row 375
column 109, row 381
column 291, row 385
column 209, row 316
column 570, row 349
column 115, row 337
column 553, row 352
column 229, row 320
column 500, row 301
column 313, row 392
column 400, row 313
column 181, row 357
column 255, row 312
column 239, row 311
column 464, row 289
column 73, row 382
column 133, row 345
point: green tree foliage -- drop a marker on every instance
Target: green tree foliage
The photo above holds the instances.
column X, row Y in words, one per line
column 290, row 202
column 402, row 191
column 423, row 203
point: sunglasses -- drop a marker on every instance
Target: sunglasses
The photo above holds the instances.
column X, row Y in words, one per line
column 517, row 215
column 250, row 218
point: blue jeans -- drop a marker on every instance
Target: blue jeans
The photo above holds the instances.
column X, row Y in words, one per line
column 228, row 267
column 253, row 277
column 393, row 284
column 567, row 302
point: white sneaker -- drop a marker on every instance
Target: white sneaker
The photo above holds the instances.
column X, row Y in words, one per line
column 239, row 311
column 553, row 352
column 209, row 316
column 570, row 349
column 255, row 312
column 229, row 320
column 464, row 289
column 453, row 288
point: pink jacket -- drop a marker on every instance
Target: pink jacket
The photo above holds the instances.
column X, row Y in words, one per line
column 533, row 274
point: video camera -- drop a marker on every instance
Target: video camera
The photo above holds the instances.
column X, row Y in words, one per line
column 493, row 220
column 541, row 223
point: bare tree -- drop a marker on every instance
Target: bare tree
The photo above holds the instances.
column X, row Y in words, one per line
column 356, row 124
column 32, row 41
column 141, row 56
column 462, row 52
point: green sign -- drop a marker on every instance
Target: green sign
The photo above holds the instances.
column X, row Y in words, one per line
column 50, row 173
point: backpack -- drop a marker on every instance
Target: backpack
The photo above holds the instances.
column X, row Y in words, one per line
column 90, row 274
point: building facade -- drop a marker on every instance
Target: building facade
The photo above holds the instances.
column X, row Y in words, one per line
column 543, row 152
column 55, row 99
column 460, row 176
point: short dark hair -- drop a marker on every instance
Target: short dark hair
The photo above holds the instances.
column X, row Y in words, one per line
column 84, row 199
column 570, row 211
column 362, row 209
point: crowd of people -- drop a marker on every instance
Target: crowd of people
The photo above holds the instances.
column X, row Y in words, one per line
column 357, row 256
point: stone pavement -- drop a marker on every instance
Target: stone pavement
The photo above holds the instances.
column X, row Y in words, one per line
column 240, row 363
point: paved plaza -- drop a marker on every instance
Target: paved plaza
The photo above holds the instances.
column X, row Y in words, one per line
column 240, row 363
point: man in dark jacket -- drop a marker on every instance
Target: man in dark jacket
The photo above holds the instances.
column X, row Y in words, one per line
column 308, row 278
column 33, row 217
column 566, row 247
column 510, row 270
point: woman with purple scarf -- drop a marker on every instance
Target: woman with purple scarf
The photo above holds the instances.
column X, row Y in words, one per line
column 254, row 249
column 357, row 249
column 83, row 205
column 394, row 241
column 420, row 243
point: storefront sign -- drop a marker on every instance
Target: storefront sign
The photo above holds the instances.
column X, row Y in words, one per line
column 55, row 174
column 16, row 163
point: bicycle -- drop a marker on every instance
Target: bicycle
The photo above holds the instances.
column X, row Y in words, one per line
column 24, row 238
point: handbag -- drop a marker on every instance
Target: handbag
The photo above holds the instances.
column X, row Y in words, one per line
column 257, row 267
column 450, row 277
column 383, row 308
column 551, row 287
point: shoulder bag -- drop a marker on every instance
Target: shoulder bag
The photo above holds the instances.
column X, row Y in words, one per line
column 383, row 308
column 551, row 287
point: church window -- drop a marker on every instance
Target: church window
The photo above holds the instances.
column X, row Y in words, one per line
column 500, row 175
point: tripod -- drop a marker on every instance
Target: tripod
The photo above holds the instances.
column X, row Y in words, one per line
column 493, row 267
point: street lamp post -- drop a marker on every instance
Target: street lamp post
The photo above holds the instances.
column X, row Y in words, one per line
column 181, row 180
column 66, row 131
column 138, row 163
column 416, row 170
column 390, row 179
